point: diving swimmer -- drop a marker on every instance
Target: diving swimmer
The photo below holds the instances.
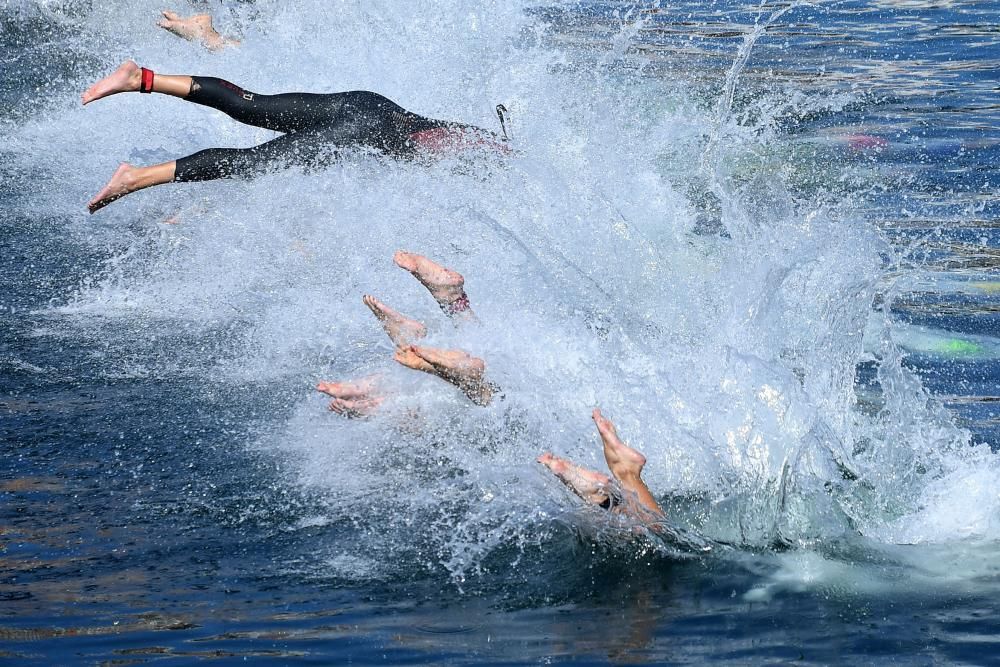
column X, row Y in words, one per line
column 456, row 367
column 626, row 466
column 313, row 124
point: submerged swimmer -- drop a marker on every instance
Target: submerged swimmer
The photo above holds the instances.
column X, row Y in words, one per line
column 446, row 286
column 313, row 124
column 457, row 367
column 626, row 466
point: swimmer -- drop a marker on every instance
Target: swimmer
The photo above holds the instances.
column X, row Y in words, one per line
column 625, row 464
column 456, row 367
column 446, row 286
column 197, row 28
column 313, row 125
column 360, row 398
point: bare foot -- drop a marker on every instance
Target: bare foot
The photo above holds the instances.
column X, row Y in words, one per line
column 191, row 28
column 354, row 408
column 409, row 358
column 623, row 461
column 194, row 28
column 401, row 329
column 123, row 80
column 363, row 388
column 359, row 398
column 121, row 184
column 626, row 465
column 445, row 285
column 588, row 484
column 455, row 366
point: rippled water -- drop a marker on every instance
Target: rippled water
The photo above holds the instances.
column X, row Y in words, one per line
column 763, row 238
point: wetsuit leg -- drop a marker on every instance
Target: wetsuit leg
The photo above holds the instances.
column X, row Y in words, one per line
column 300, row 148
column 285, row 112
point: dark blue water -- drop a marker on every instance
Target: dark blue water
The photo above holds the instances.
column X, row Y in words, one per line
column 144, row 518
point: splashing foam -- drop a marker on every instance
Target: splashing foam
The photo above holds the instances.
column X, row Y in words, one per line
column 729, row 359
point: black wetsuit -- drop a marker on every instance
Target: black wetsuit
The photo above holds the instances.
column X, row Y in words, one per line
column 313, row 125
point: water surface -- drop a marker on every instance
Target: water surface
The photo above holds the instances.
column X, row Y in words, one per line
column 763, row 238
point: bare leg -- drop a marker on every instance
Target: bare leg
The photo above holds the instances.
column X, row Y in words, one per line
column 128, row 76
column 625, row 464
column 446, row 286
column 588, row 484
column 128, row 179
column 401, row 329
column 197, row 28
column 455, row 366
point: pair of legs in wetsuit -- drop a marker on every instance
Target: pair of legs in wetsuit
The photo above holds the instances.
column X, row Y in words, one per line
column 315, row 125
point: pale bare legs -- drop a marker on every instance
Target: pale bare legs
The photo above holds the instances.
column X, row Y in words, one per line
column 454, row 366
column 361, row 398
column 128, row 178
column 626, row 465
column 127, row 79
column 197, row 28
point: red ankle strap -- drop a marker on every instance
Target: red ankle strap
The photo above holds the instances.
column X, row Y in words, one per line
column 146, row 84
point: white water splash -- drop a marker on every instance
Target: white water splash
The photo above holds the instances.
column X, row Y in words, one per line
column 729, row 360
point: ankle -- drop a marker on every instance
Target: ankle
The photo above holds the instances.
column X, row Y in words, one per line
column 135, row 80
column 131, row 179
column 628, row 475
